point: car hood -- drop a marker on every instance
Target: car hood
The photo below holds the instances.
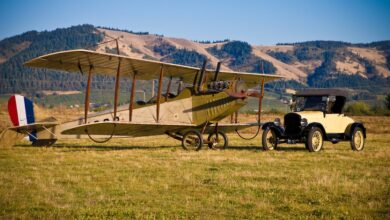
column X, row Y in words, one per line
column 311, row 116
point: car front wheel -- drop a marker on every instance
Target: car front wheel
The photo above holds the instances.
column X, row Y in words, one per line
column 357, row 139
column 269, row 139
column 315, row 140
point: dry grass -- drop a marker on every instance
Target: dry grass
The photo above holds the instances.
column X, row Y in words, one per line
column 155, row 178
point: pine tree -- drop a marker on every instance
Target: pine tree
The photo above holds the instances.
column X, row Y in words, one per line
column 387, row 101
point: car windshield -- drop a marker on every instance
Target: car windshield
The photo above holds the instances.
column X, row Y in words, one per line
column 309, row 103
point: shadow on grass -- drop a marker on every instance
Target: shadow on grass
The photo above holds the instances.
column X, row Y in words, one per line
column 254, row 148
column 146, row 148
column 291, row 148
column 102, row 147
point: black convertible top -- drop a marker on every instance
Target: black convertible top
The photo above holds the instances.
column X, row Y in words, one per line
column 323, row 92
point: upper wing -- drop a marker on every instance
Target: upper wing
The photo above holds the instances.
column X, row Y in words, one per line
column 107, row 64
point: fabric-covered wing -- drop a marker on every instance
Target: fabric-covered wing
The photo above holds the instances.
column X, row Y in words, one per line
column 107, row 64
column 139, row 129
column 125, row 129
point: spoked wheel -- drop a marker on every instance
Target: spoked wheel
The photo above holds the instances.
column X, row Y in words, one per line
column 192, row 141
column 315, row 140
column 217, row 141
column 357, row 139
column 269, row 139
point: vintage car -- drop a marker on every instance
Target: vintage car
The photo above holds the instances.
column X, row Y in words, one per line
column 316, row 117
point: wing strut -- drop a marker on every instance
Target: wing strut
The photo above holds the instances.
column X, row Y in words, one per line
column 87, row 94
column 117, row 80
column 260, row 100
column 217, row 71
column 168, row 88
column 202, row 72
column 160, row 79
column 131, row 106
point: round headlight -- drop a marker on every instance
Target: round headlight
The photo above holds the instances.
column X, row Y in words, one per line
column 304, row 122
column 277, row 121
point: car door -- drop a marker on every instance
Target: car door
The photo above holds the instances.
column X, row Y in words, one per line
column 336, row 123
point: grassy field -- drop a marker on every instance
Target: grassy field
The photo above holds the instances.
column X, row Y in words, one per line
column 155, row 178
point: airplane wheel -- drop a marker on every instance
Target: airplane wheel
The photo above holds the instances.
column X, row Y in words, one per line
column 219, row 141
column 192, row 141
column 269, row 139
column 357, row 139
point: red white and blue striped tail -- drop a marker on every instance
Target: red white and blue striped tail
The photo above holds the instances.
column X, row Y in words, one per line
column 21, row 112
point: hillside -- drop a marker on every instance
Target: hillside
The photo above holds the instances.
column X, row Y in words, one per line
column 365, row 68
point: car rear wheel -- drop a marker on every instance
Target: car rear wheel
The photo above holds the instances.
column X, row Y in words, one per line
column 357, row 139
column 315, row 140
column 269, row 139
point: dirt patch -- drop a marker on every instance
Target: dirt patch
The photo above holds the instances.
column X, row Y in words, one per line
column 351, row 67
column 283, row 69
column 370, row 54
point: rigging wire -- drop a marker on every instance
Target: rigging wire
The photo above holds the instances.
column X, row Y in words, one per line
column 250, row 138
column 103, row 141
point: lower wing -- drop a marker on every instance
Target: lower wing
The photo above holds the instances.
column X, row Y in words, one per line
column 125, row 129
column 138, row 129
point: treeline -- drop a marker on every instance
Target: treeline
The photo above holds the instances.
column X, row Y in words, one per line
column 362, row 108
column 212, row 42
column 164, row 49
column 285, row 57
column 129, row 31
column 186, row 57
column 16, row 78
column 242, row 59
column 322, row 44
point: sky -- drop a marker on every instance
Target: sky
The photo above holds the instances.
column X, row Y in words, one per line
column 257, row 22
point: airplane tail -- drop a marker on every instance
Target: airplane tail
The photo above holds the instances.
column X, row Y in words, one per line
column 21, row 112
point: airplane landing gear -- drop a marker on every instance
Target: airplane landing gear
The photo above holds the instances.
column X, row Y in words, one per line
column 217, row 140
column 192, row 140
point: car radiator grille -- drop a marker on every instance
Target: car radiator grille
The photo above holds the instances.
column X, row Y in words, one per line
column 292, row 123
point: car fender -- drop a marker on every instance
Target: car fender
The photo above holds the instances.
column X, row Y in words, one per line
column 351, row 127
column 315, row 124
column 277, row 129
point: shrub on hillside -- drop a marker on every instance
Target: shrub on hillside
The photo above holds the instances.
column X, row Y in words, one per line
column 379, row 110
column 387, row 101
column 358, row 108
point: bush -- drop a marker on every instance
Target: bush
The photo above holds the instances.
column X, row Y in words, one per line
column 275, row 111
column 387, row 101
column 359, row 108
column 379, row 110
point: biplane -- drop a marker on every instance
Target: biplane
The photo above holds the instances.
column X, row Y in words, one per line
column 189, row 115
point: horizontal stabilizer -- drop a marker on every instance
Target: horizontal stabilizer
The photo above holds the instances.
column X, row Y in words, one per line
column 33, row 127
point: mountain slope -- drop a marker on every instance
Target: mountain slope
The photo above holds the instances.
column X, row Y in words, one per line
column 363, row 67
